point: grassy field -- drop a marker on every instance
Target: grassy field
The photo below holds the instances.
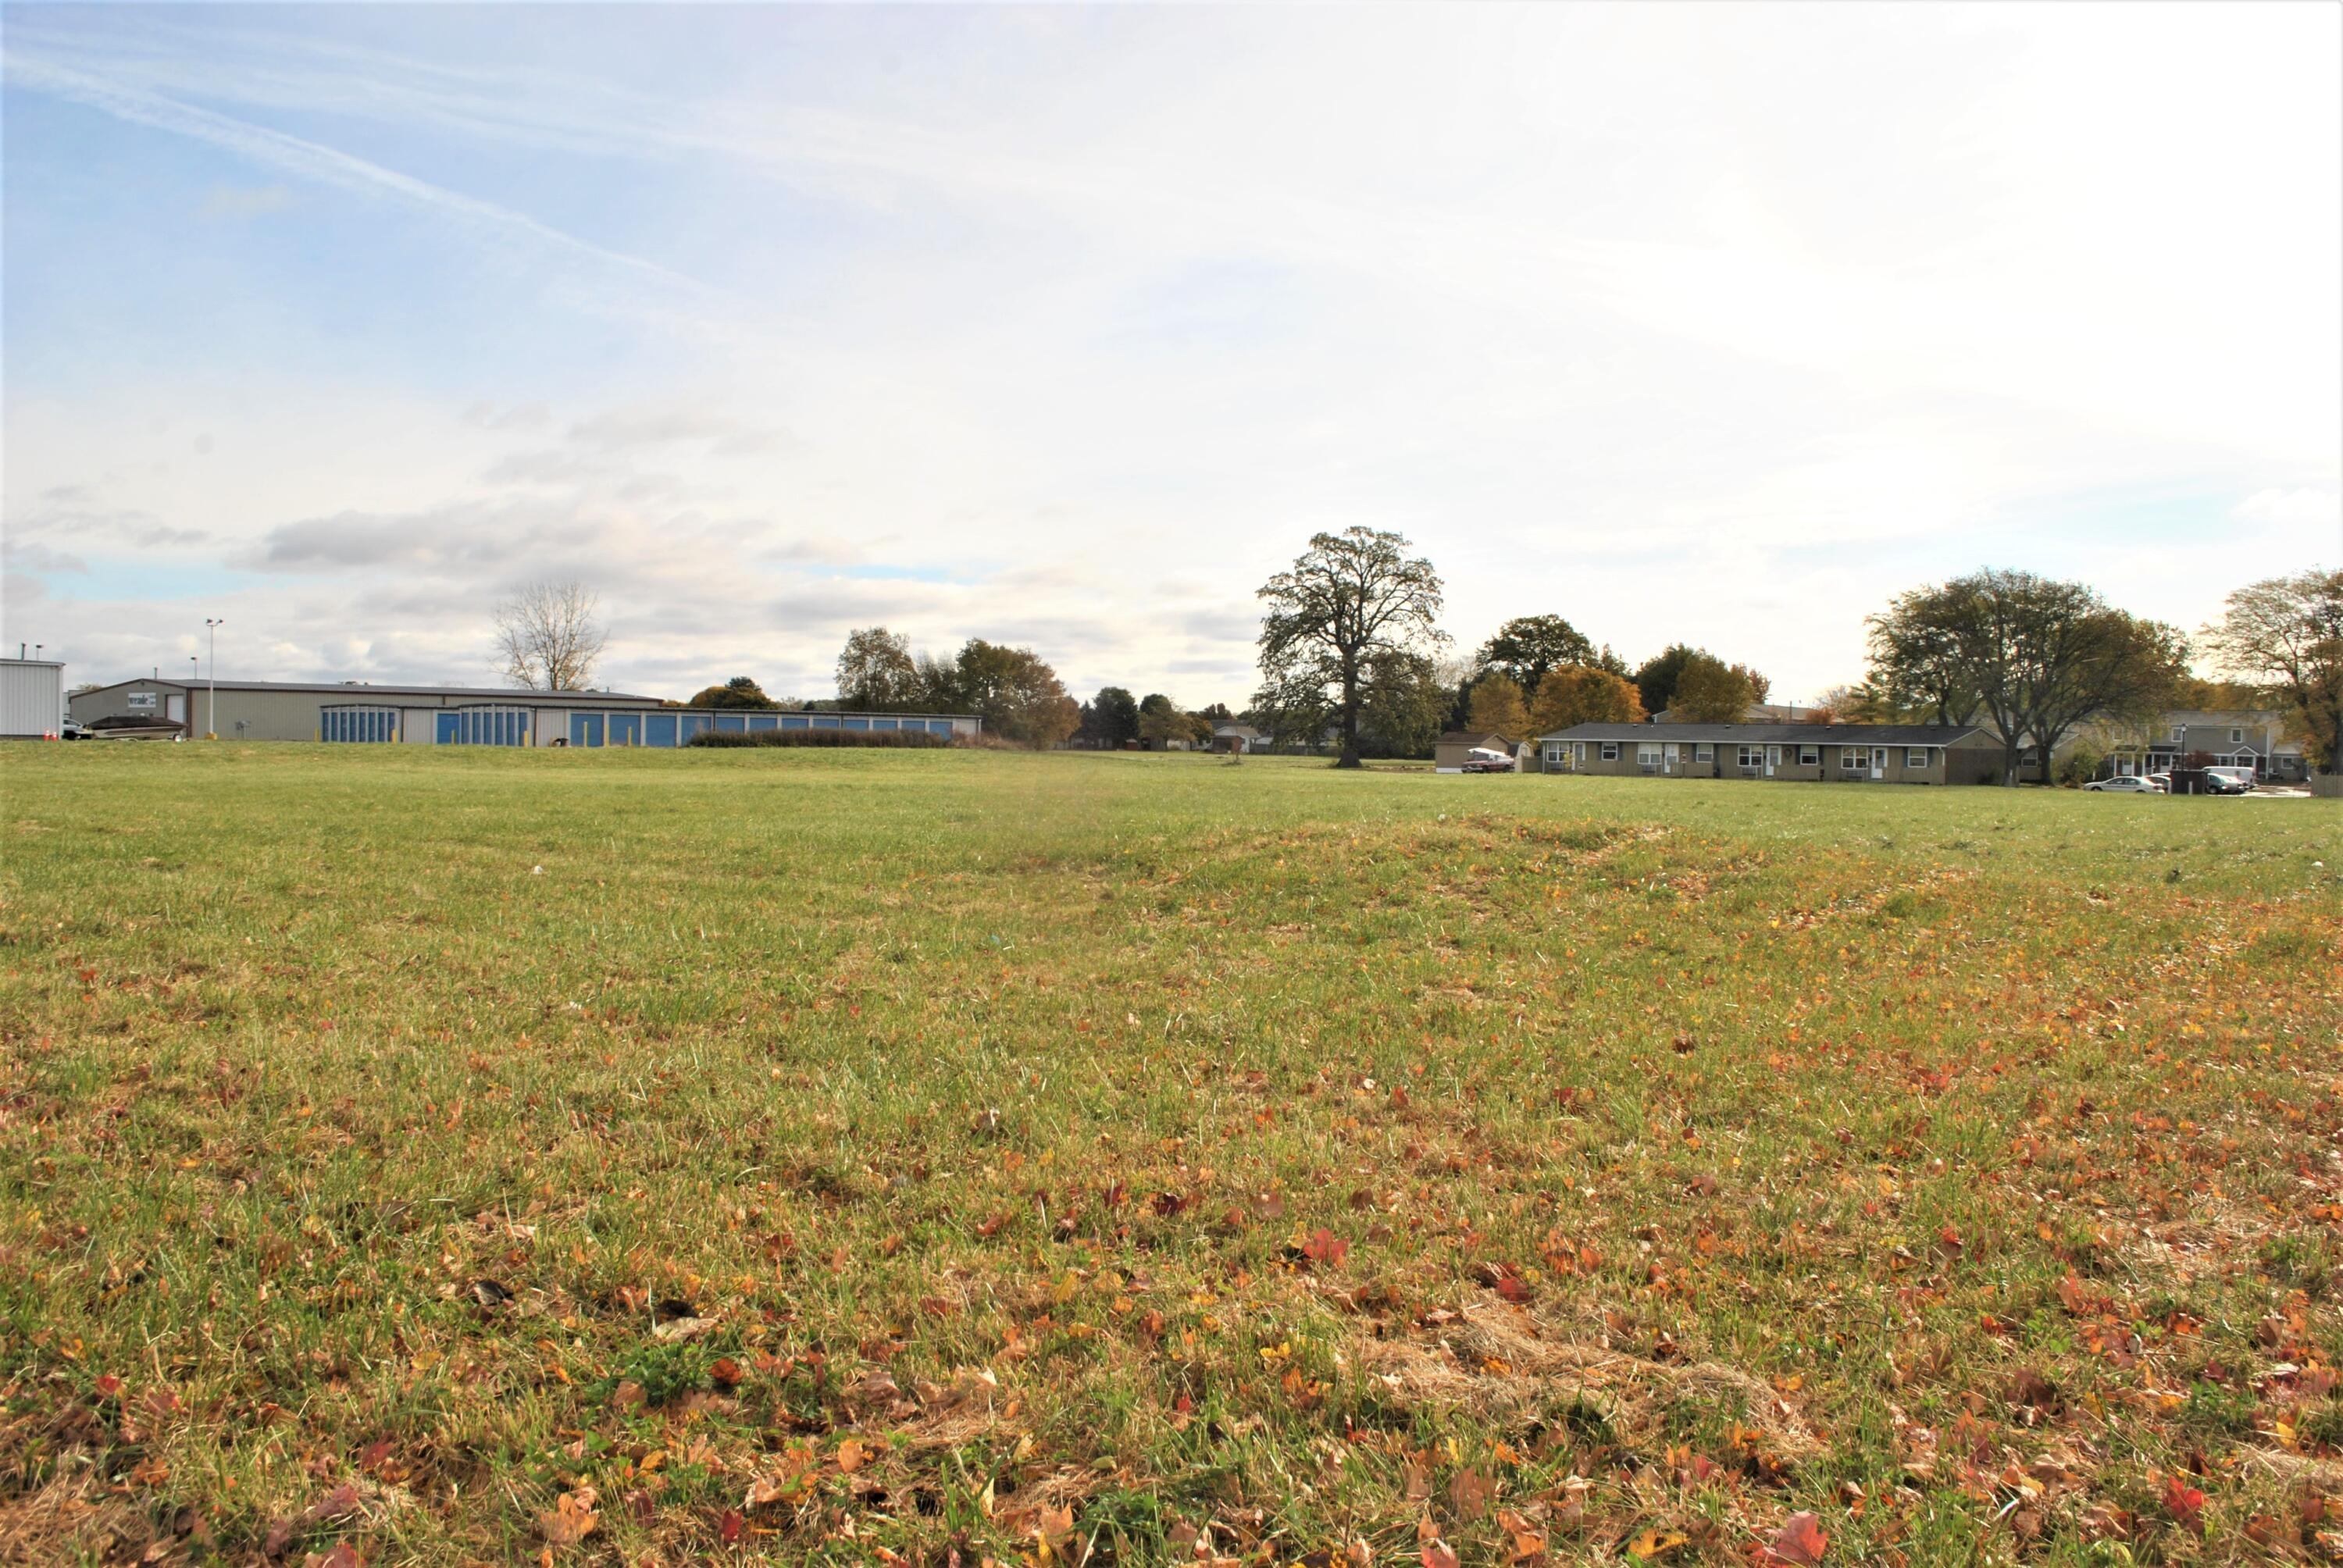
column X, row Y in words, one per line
column 445, row 1156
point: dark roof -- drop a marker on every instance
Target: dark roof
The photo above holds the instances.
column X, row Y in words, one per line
column 362, row 689
column 1800, row 734
column 1470, row 737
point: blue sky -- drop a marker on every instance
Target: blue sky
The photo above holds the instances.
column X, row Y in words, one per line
column 1066, row 327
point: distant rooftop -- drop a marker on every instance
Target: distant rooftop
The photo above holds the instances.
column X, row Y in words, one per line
column 1803, row 734
column 393, row 689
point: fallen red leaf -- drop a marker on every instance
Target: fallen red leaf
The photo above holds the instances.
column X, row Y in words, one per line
column 1324, row 1246
column 1801, row 1541
column 2184, row 1502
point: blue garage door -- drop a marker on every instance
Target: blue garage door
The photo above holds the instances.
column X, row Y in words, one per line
column 360, row 726
column 585, row 730
column 482, row 726
column 659, row 729
column 626, row 730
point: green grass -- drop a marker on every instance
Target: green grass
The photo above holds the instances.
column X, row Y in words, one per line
column 1157, row 1158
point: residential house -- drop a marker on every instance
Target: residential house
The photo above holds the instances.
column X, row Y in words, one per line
column 1850, row 753
column 2232, row 738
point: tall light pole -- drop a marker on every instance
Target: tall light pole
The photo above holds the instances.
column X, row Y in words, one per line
column 211, row 718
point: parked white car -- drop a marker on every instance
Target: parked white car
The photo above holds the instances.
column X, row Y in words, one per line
column 2127, row 786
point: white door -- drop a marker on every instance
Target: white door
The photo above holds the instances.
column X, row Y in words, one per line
column 1879, row 762
column 1773, row 760
column 1668, row 762
column 175, row 708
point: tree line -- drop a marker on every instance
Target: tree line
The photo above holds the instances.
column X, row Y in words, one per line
column 1351, row 649
column 2033, row 658
column 1350, row 646
column 1013, row 689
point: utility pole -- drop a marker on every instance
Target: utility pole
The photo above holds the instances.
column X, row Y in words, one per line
column 211, row 718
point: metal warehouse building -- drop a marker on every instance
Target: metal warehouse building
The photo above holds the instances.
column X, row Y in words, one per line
column 358, row 713
column 31, row 698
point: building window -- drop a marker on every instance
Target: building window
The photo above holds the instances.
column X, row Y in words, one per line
column 1610, row 751
column 1809, row 756
column 1753, row 757
column 1708, row 752
column 1647, row 756
column 2235, row 736
column 1916, row 757
column 2180, row 733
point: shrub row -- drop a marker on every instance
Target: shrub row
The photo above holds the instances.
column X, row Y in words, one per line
column 899, row 739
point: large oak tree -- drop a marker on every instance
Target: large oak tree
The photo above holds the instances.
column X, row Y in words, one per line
column 2033, row 656
column 876, row 673
column 1710, row 691
column 1527, row 646
column 2285, row 636
column 1335, row 618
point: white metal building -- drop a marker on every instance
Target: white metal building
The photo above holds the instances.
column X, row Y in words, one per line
column 32, row 699
column 363, row 713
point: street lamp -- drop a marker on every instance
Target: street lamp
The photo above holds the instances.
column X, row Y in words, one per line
column 211, row 718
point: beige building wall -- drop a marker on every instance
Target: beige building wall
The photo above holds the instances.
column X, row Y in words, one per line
column 1973, row 760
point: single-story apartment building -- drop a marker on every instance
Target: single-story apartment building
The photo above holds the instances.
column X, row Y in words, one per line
column 1852, row 753
column 1449, row 751
column 363, row 713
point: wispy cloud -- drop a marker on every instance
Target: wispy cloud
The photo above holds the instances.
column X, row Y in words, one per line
column 585, row 274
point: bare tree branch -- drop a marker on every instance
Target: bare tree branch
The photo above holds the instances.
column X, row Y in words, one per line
column 547, row 637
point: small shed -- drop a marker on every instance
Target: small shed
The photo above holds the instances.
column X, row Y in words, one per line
column 32, row 699
column 1449, row 751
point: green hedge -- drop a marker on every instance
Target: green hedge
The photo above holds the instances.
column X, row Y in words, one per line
column 901, row 740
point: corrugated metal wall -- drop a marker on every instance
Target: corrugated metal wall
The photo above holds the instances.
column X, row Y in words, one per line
column 31, row 698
